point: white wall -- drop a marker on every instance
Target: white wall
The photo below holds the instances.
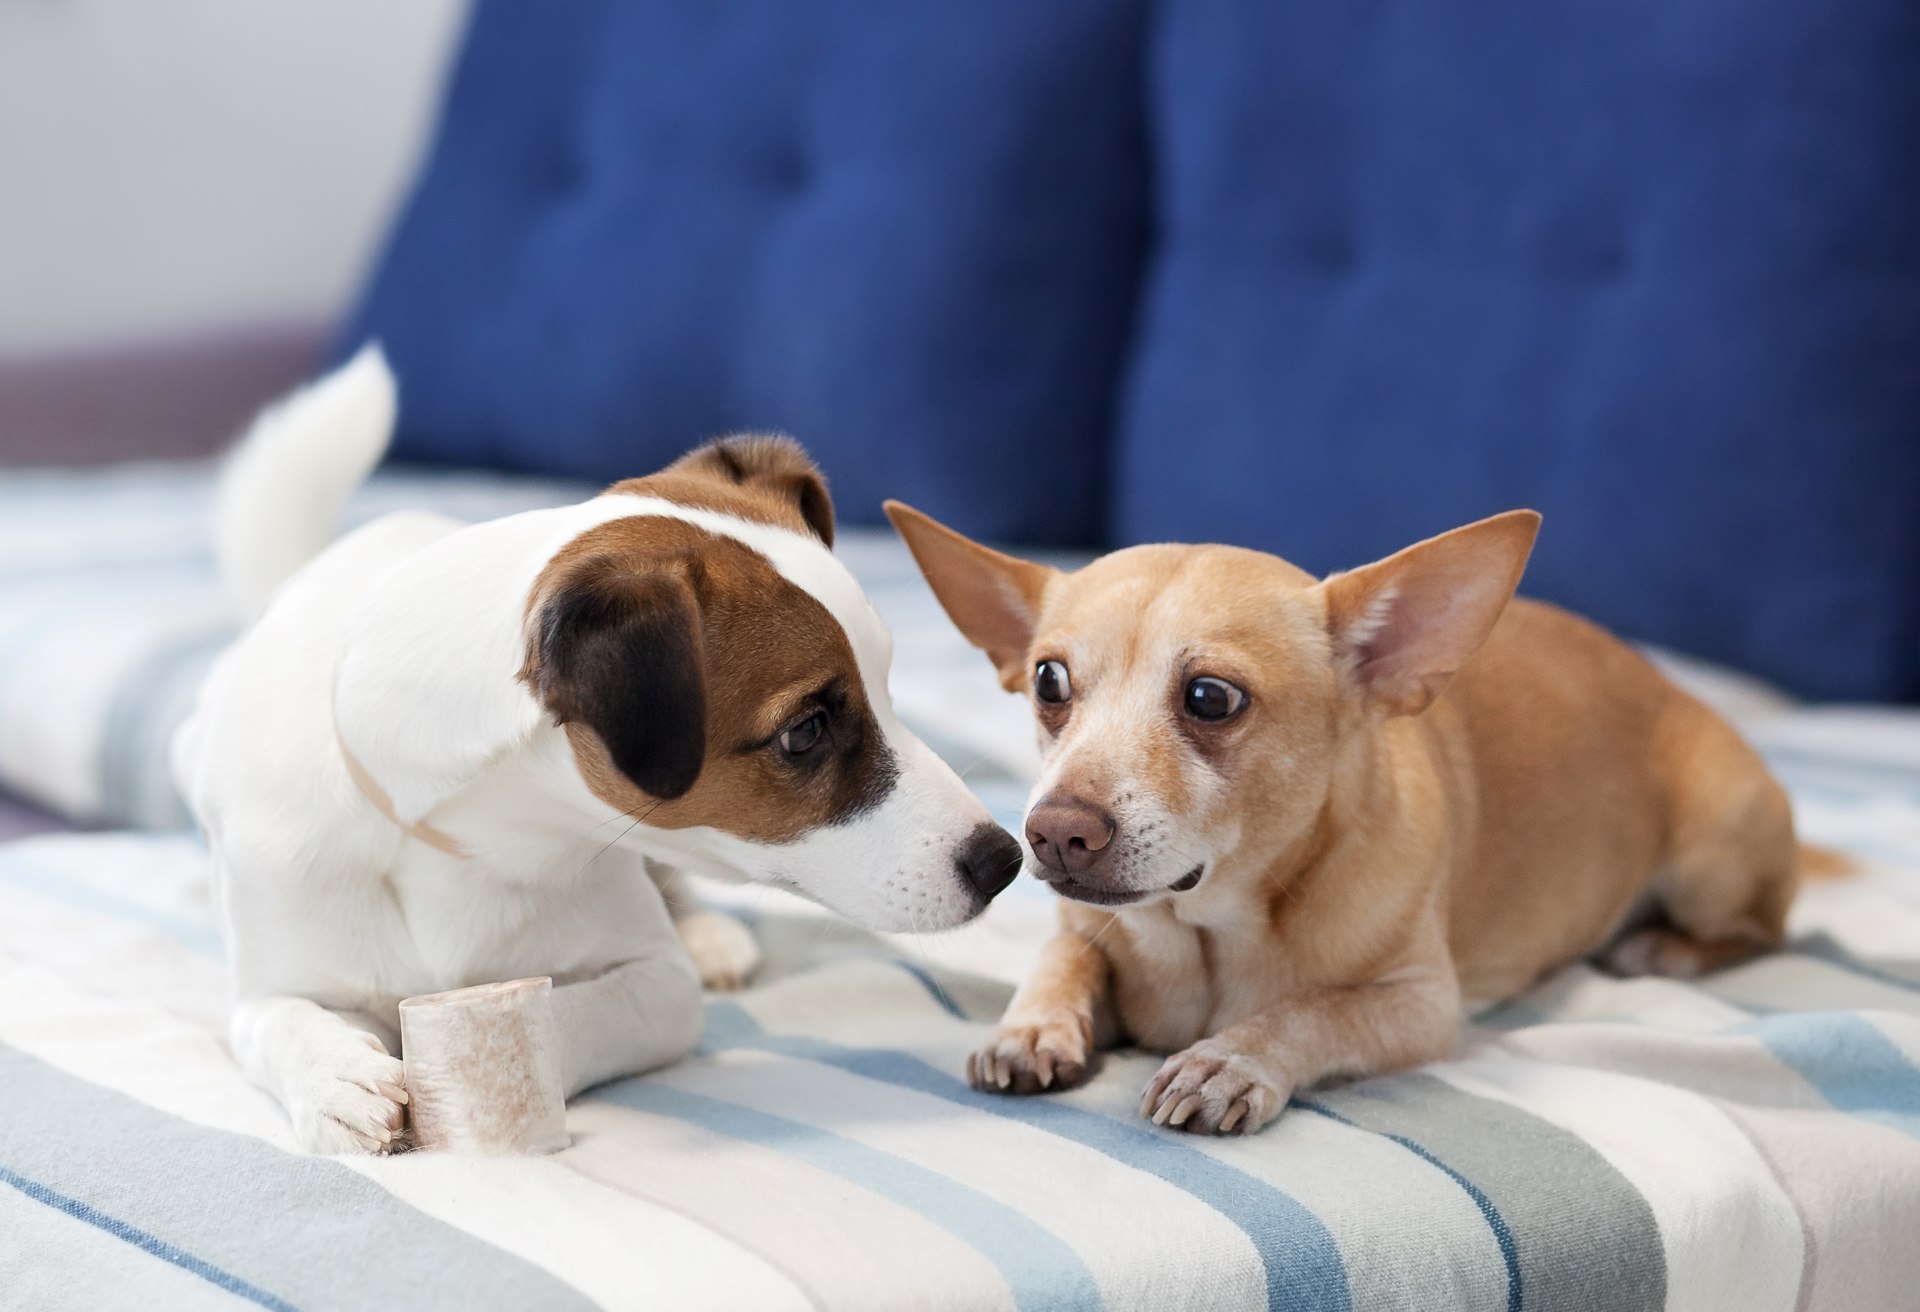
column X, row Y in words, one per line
column 169, row 166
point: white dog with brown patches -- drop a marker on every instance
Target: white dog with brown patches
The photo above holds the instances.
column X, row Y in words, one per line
column 450, row 754
column 1302, row 824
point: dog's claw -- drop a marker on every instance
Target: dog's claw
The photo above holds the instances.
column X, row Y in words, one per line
column 1031, row 1058
column 354, row 1100
column 1212, row 1089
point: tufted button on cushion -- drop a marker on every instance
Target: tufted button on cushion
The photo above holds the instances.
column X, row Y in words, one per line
column 909, row 234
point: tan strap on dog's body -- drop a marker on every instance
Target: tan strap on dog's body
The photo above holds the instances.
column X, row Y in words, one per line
column 370, row 787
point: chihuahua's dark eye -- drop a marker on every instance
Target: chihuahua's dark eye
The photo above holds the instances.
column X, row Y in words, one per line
column 801, row 738
column 1209, row 698
column 1050, row 682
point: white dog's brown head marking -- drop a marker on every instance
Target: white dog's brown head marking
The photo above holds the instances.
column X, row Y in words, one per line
column 761, row 477
column 1193, row 702
column 699, row 687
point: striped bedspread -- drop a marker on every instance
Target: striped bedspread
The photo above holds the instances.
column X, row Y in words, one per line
column 1747, row 1144
column 1750, row 1142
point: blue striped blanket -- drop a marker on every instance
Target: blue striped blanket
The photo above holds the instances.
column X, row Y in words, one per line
column 1748, row 1142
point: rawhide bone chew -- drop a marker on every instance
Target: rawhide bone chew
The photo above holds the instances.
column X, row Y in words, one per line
column 483, row 1069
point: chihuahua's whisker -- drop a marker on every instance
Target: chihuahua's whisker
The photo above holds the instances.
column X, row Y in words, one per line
column 1185, row 857
column 1103, row 931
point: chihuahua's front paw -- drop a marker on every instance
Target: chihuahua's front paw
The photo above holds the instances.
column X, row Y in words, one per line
column 723, row 949
column 1211, row 1089
column 1032, row 1058
column 353, row 1103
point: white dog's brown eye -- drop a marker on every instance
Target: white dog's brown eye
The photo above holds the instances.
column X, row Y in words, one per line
column 1050, row 682
column 1209, row 698
column 799, row 739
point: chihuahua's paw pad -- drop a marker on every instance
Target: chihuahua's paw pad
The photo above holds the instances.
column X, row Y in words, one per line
column 724, row 951
column 1211, row 1089
column 356, row 1103
column 1032, row 1058
column 1656, row 951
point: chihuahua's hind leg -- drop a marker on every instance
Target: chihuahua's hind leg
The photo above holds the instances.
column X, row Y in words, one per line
column 1729, row 877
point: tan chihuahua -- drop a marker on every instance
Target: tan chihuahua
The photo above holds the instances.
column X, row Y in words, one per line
column 1303, row 826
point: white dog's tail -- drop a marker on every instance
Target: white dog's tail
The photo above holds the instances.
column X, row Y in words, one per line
column 287, row 480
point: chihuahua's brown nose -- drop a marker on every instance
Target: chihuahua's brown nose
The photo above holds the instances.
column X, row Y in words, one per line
column 1068, row 834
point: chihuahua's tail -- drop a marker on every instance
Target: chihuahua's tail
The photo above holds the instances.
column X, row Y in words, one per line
column 287, row 480
column 1814, row 862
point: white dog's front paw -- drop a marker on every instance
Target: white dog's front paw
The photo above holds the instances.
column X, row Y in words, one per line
column 1211, row 1089
column 723, row 949
column 353, row 1100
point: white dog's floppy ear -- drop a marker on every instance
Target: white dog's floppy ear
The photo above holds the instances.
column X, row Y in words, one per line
column 429, row 689
column 428, row 692
column 616, row 646
column 462, row 650
column 993, row 599
column 1401, row 627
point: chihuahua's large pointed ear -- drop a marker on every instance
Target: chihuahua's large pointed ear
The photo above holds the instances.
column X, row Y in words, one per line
column 615, row 645
column 1403, row 626
column 769, row 463
column 993, row 599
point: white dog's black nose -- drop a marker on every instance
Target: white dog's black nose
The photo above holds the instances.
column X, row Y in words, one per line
column 990, row 860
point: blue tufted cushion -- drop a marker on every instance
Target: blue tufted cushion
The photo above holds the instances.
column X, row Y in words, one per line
column 906, row 233
column 1652, row 267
